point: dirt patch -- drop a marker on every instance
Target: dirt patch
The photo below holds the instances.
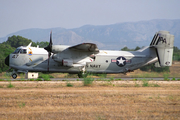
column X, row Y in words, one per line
column 53, row 100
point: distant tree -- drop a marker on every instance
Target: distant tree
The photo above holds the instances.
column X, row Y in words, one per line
column 137, row 48
column 176, row 54
column 6, row 49
column 16, row 41
column 127, row 49
column 152, row 68
column 42, row 44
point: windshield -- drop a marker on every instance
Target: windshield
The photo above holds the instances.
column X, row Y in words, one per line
column 17, row 51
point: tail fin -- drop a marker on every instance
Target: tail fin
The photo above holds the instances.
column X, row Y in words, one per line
column 163, row 42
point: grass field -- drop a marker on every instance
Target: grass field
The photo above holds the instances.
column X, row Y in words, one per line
column 99, row 101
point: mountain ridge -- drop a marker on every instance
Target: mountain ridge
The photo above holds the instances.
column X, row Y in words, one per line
column 114, row 36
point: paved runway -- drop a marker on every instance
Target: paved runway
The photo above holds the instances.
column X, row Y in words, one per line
column 98, row 79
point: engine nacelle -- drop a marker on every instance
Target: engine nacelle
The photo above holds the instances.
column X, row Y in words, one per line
column 67, row 62
column 59, row 48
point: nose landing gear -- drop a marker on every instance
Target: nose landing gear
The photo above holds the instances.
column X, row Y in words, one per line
column 14, row 75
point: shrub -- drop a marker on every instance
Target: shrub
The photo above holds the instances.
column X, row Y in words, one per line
column 31, row 79
column 82, row 75
column 145, row 83
column 46, row 77
column 156, row 85
column 88, row 81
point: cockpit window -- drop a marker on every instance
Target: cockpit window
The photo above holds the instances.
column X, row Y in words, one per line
column 21, row 51
column 17, row 51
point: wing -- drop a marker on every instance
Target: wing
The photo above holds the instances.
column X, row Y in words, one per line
column 77, row 55
column 86, row 47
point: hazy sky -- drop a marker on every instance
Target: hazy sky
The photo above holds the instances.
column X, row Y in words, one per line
column 16, row 15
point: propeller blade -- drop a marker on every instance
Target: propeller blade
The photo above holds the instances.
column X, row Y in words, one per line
column 49, row 55
column 49, row 47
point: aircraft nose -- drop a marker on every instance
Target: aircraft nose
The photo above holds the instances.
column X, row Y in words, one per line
column 7, row 60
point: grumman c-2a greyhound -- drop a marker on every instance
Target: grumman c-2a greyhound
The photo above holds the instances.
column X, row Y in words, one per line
column 86, row 57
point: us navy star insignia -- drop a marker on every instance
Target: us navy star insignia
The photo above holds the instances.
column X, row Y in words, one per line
column 121, row 61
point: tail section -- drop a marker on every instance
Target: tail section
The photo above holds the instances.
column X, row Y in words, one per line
column 163, row 42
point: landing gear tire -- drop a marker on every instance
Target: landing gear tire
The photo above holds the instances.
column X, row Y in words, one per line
column 14, row 75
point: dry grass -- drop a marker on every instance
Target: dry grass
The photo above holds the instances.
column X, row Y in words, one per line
column 116, row 100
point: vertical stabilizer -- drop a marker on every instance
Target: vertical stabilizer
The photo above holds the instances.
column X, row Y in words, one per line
column 163, row 41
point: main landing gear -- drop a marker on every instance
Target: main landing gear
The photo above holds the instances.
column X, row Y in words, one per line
column 82, row 73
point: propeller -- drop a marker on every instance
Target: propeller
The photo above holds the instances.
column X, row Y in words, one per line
column 49, row 49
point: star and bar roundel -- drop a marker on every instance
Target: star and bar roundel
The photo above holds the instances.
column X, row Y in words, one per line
column 120, row 61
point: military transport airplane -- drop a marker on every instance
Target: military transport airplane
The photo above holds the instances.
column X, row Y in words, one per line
column 86, row 57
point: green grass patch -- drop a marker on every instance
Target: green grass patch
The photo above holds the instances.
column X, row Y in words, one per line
column 135, row 79
column 102, row 75
column 38, row 79
column 166, row 75
column 173, row 79
column 150, row 98
column 111, row 78
column 21, row 104
column 155, row 85
column 69, row 84
column 10, row 85
column 45, row 76
column 136, row 85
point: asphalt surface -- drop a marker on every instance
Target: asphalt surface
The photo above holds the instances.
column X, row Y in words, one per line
column 81, row 79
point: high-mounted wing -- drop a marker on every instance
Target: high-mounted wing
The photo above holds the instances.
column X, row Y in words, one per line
column 78, row 55
column 86, row 47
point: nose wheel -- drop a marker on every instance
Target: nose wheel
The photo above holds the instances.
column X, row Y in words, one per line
column 14, row 75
